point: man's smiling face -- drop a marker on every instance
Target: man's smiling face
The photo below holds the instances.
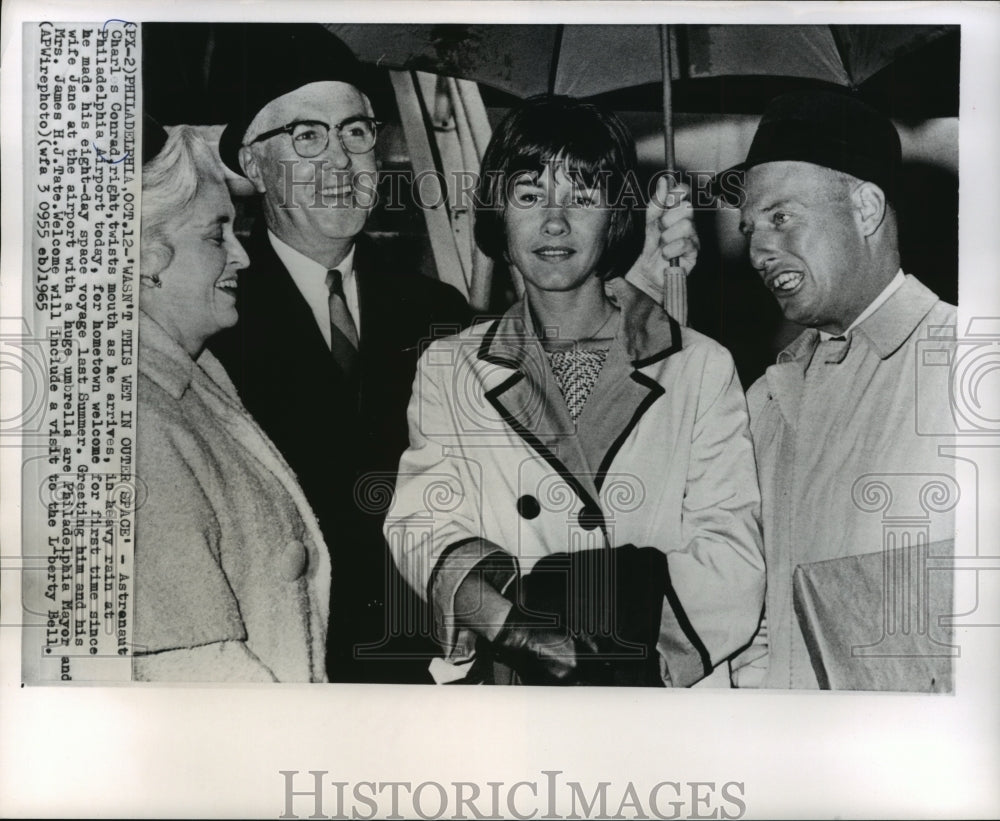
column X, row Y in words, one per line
column 312, row 201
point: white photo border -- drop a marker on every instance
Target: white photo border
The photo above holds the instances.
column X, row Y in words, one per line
column 201, row 751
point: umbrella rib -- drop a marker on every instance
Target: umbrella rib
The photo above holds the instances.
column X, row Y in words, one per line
column 554, row 64
column 840, row 43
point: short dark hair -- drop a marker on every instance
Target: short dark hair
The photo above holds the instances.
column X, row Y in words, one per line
column 594, row 143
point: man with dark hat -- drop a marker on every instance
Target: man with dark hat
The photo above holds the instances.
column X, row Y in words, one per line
column 837, row 412
column 325, row 350
column 329, row 329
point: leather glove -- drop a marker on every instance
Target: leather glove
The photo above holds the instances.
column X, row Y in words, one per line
column 539, row 650
column 614, row 598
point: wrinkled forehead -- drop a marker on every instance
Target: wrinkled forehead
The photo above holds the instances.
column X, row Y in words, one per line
column 773, row 182
column 328, row 101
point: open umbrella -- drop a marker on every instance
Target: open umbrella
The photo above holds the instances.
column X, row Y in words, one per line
column 592, row 60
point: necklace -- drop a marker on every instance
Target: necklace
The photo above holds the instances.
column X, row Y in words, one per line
column 596, row 333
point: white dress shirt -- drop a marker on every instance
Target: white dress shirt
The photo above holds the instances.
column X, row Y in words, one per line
column 310, row 278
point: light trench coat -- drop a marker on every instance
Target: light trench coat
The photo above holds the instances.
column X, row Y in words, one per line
column 854, row 449
column 660, row 456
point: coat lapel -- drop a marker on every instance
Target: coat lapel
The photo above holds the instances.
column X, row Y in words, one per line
column 623, row 393
column 369, row 295
column 619, row 399
column 388, row 315
column 390, row 323
column 785, row 379
column 530, row 402
column 269, row 302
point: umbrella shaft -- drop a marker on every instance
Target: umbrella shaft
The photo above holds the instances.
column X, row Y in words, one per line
column 668, row 119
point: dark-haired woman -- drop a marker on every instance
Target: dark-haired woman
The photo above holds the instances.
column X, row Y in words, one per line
column 579, row 501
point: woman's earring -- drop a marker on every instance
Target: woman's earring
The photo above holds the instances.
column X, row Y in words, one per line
column 152, row 279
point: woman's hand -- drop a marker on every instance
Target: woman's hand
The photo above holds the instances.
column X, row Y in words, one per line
column 538, row 650
column 541, row 653
column 671, row 240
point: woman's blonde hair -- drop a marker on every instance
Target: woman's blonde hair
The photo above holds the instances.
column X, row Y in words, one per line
column 170, row 182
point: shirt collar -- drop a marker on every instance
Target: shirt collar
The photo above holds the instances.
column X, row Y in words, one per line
column 886, row 328
column 301, row 266
column 310, row 279
column 873, row 306
column 645, row 330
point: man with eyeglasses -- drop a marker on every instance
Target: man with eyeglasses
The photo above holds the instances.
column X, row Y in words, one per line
column 329, row 328
column 325, row 350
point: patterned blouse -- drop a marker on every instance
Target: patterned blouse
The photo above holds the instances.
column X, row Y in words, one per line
column 576, row 370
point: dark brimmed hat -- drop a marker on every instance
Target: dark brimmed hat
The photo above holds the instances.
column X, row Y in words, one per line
column 827, row 128
column 254, row 64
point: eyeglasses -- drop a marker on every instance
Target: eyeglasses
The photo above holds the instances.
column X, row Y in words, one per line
column 311, row 137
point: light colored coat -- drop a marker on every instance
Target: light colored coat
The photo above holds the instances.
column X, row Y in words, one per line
column 661, row 456
column 232, row 578
column 848, row 438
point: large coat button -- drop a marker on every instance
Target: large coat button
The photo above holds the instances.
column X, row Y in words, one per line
column 589, row 517
column 528, row 506
column 293, row 561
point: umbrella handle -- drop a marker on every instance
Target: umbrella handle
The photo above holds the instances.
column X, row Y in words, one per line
column 675, row 293
column 674, row 278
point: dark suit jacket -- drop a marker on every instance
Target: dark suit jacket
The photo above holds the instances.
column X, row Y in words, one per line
column 344, row 440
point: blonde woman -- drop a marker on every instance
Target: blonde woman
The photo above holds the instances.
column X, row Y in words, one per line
column 232, row 575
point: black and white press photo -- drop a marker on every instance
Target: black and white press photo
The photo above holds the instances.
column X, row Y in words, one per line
column 497, row 315
column 373, row 376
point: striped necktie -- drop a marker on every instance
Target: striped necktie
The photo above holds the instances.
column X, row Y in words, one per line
column 343, row 332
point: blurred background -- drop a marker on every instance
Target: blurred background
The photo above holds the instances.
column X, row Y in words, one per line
column 692, row 96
